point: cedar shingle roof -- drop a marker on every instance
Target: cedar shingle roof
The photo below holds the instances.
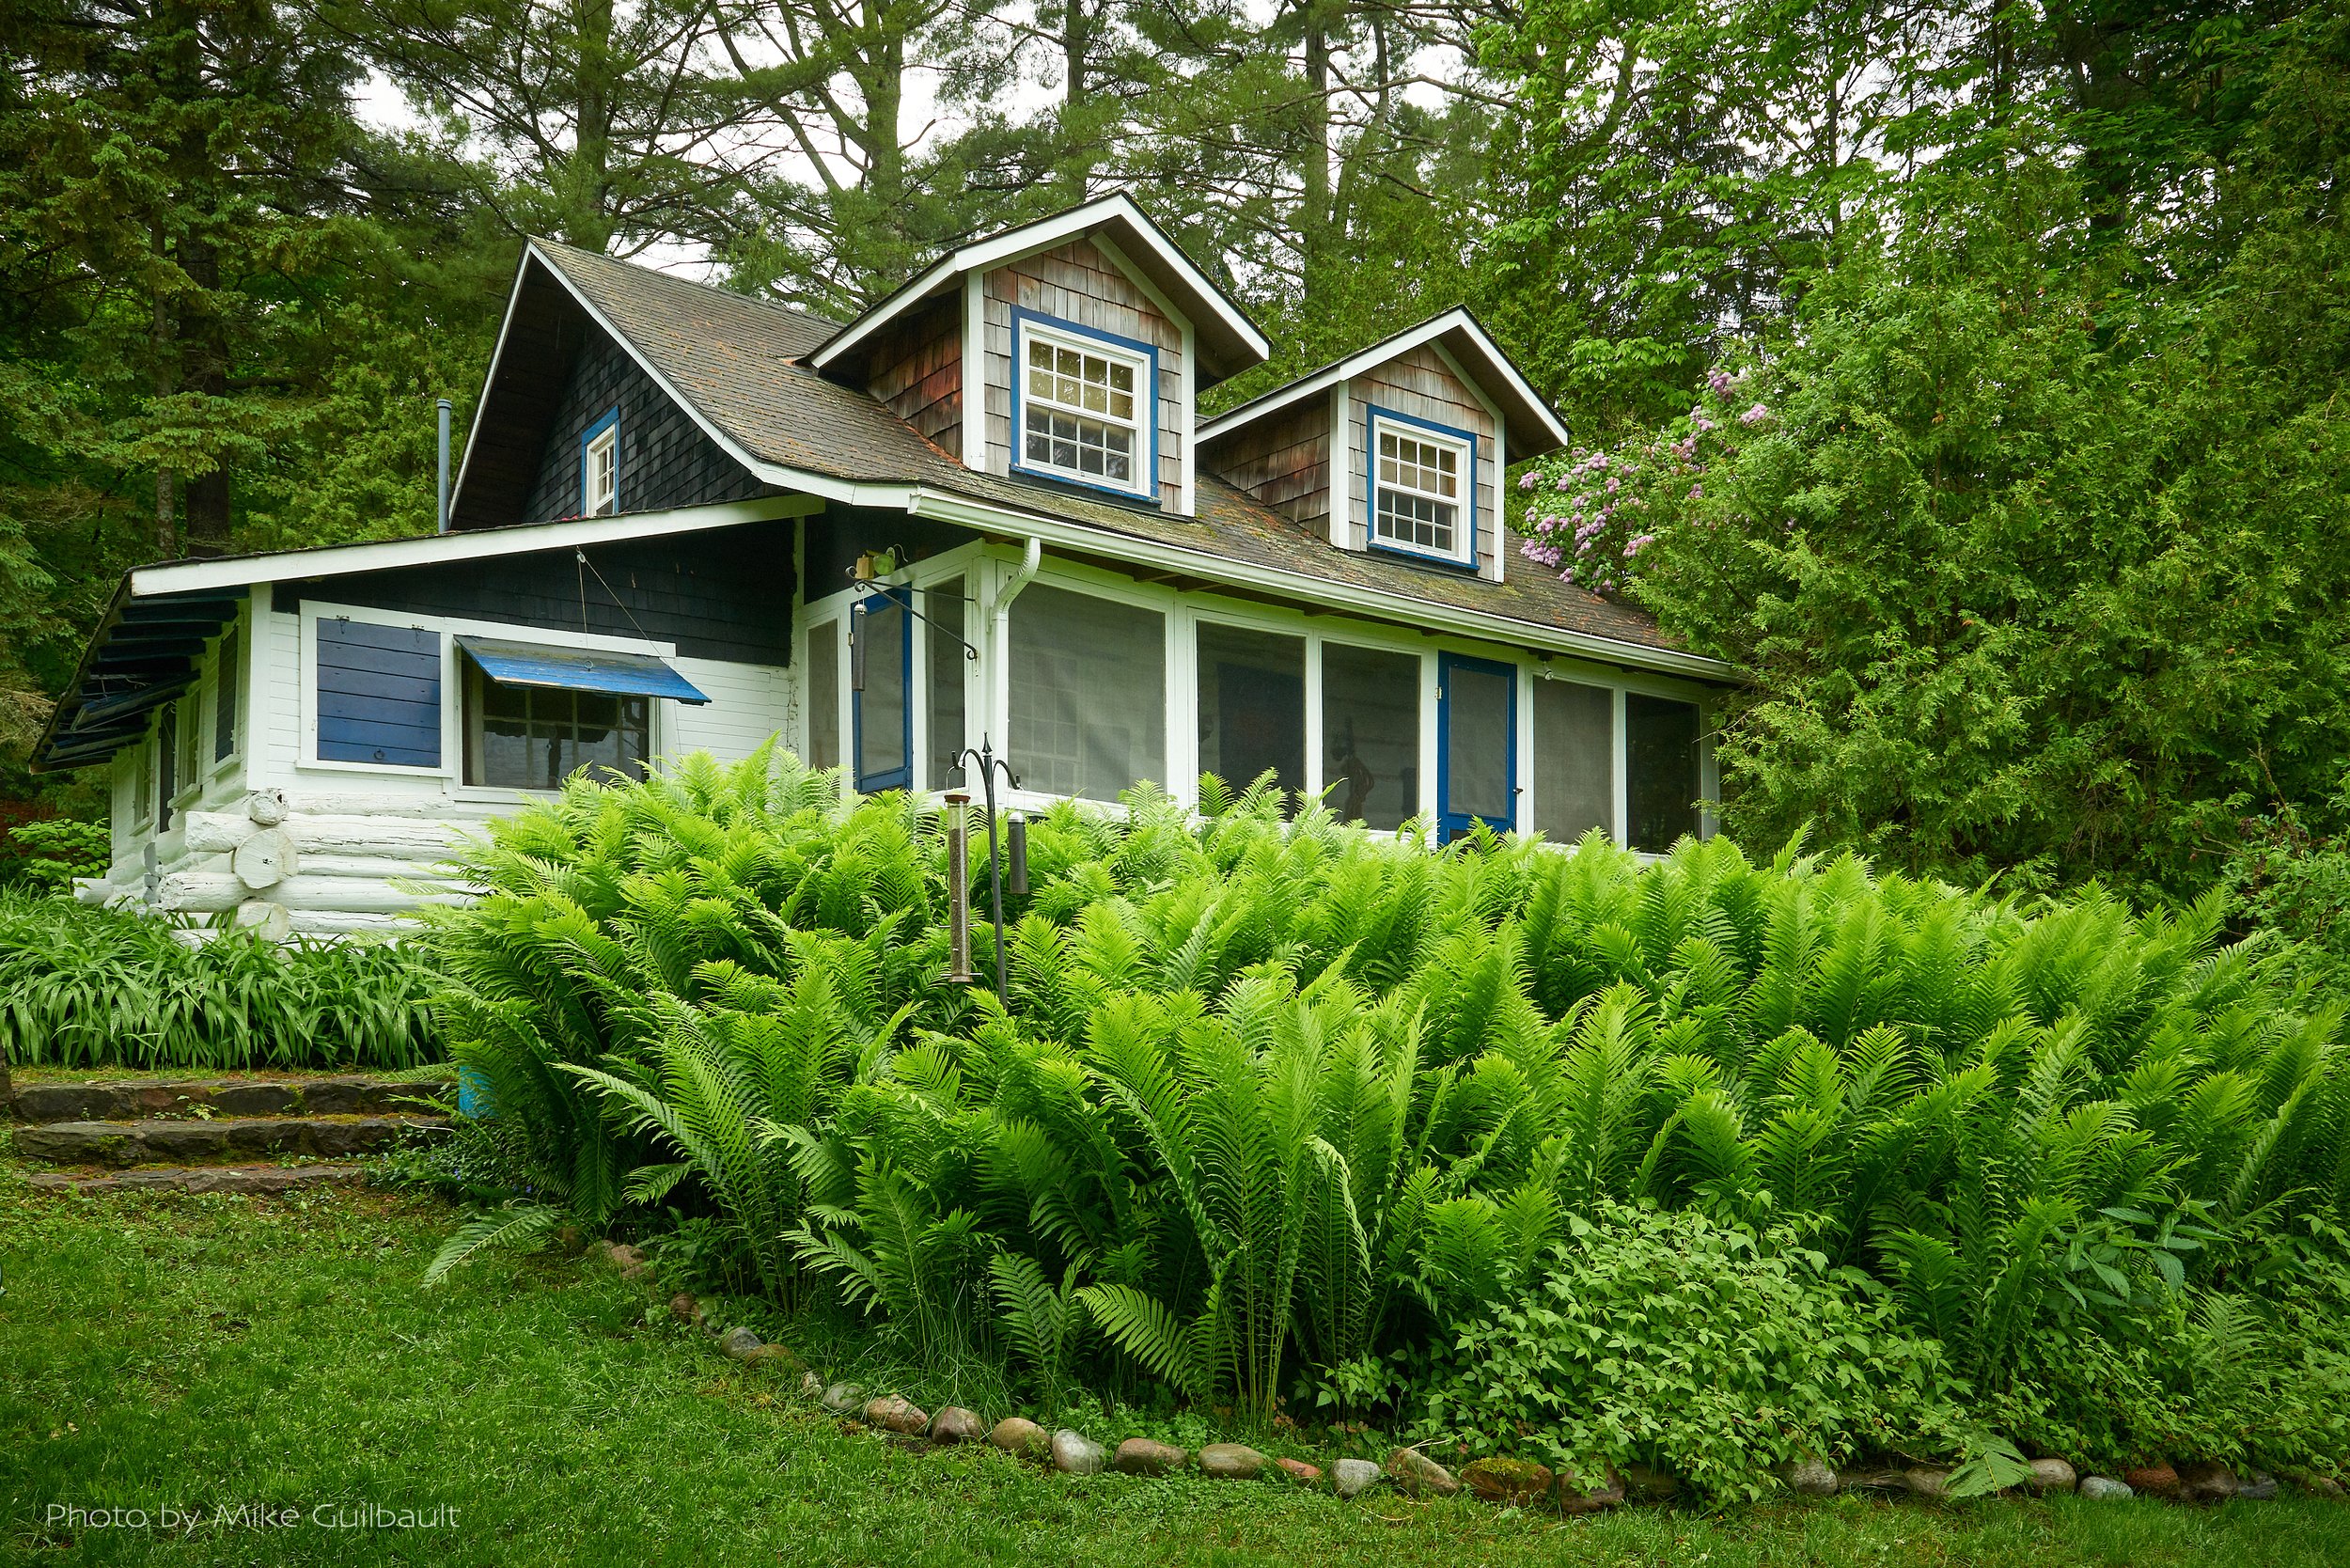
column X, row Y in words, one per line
column 735, row 359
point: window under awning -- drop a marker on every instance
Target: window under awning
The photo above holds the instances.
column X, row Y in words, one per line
column 515, row 664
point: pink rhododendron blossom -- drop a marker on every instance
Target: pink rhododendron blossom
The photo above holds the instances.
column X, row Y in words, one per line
column 1754, row 415
column 1525, row 481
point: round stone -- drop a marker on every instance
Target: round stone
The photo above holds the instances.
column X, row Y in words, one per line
column 954, row 1424
column 1231, row 1461
column 893, row 1413
column 845, row 1399
column 2105, row 1489
column 1143, row 1456
column 1075, row 1454
column 1808, row 1478
column 1352, row 1478
column 1299, row 1471
column 1416, row 1475
column 1513, row 1483
column 1019, row 1436
column 2052, row 1475
column 739, row 1342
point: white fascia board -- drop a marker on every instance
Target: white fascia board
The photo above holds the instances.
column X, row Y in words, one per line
column 1321, row 591
column 1028, row 240
column 1379, row 354
column 476, row 545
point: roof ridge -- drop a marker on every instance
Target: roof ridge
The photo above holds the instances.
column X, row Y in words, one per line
column 792, row 310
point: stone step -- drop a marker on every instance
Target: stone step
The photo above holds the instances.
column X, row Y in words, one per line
column 139, row 1099
column 197, row 1178
column 218, row 1140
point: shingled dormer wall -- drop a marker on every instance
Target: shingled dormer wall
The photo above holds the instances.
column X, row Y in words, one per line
column 1079, row 282
column 1283, row 459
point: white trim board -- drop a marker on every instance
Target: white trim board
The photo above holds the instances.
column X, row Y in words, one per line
column 979, row 256
column 476, row 545
column 1456, row 319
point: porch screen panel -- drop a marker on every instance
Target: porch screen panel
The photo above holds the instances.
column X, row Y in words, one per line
column 942, row 603
column 1089, row 693
column 882, row 726
column 1477, row 744
column 1371, row 734
column 1252, row 707
column 1575, row 760
column 823, row 696
column 1661, row 757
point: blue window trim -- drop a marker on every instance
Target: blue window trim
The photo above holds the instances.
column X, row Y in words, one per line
column 610, row 421
column 1373, row 415
column 1150, row 467
column 1452, row 823
column 898, row 777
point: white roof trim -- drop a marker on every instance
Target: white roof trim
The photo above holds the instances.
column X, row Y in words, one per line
column 1028, row 240
column 1379, row 354
column 922, row 501
column 336, row 561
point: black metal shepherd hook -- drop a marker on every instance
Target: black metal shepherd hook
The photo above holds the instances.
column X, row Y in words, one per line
column 984, row 758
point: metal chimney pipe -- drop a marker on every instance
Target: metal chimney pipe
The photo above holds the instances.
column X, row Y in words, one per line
column 443, row 514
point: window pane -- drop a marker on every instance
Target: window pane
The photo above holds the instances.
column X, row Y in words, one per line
column 1252, row 707
column 942, row 603
column 1371, row 734
column 823, row 696
column 1661, row 758
column 532, row 738
column 1574, row 767
column 881, row 707
column 225, row 699
column 1089, row 693
column 1477, row 744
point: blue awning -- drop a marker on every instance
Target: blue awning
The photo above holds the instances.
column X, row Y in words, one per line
column 566, row 669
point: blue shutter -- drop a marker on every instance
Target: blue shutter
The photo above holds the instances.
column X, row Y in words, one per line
column 379, row 694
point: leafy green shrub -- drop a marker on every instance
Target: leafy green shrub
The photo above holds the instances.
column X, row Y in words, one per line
column 1277, row 1103
column 86, row 987
column 1692, row 1346
column 47, row 853
column 2292, row 878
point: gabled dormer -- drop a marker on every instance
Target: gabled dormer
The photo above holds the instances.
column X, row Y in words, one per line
column 1398, row 449
column 1096, row 336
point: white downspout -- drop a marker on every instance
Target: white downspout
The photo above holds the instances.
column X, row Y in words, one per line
column 999, row 640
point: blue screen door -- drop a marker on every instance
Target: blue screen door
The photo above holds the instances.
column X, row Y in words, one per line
column 1477, row 744
column 881, row 711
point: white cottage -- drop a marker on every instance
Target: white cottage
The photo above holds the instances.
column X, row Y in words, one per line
column 655, row 545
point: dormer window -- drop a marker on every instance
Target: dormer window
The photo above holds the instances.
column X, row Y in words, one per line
column 1085, row 409
column 600, row 468
column 1422, row 501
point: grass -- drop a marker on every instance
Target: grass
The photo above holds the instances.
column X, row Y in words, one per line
column 193, row 1352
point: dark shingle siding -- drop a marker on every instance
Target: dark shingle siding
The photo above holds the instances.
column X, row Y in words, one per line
column 665, row 459
column 725, row 593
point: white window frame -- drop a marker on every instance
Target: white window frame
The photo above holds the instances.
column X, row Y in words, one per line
column 1141, row 359
column 452, row 770
column 1463, row 445
column 604, row 444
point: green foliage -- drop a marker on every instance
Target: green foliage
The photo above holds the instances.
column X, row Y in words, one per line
column 86, row 987
column 1698, row 1348
column 47, row 853
column 1277, row 1107
column 2292, row 876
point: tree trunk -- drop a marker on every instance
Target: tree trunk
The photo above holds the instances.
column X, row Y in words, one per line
column 1315, row 239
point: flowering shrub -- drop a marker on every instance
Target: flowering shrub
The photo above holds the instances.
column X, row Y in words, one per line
column 1591, row 511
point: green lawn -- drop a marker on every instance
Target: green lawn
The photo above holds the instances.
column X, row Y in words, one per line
column 195, row 1353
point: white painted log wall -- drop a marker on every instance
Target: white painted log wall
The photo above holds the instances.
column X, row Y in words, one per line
column 368, row 846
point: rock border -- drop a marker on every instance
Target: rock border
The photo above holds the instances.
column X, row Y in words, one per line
column 1501, row 1482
